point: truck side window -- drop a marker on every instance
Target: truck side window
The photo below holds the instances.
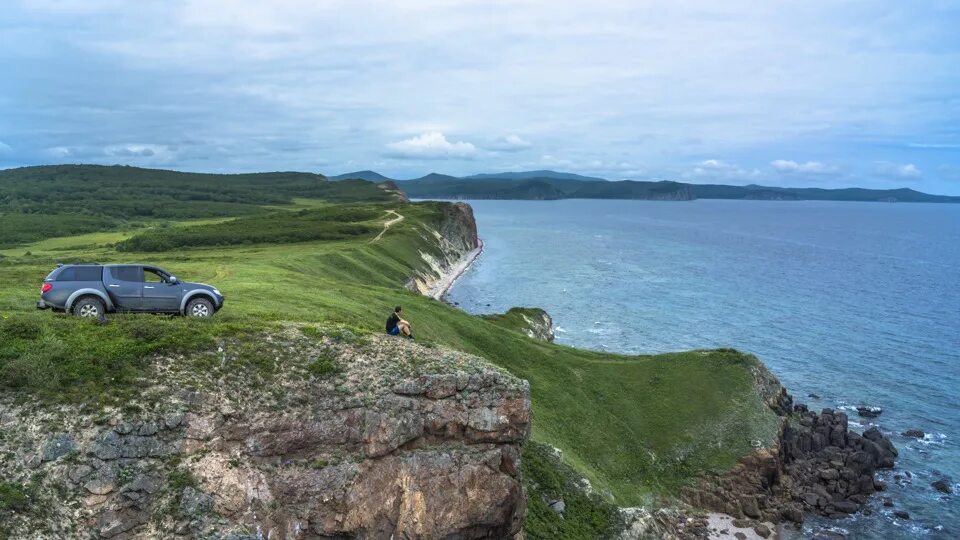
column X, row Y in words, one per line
column 127, row 273
column 153, row 276
column 89, row 273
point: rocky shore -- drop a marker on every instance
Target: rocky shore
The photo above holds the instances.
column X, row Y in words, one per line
column 817, row 466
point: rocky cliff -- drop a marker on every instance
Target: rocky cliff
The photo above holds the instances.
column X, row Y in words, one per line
column 316, row 435
column 455, row 236
column 534, row 322
column 817, row 465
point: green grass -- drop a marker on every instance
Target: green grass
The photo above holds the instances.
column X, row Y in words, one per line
column 61, row 358
column 546, row 478
column 60, row 200
column 515, row 318
column 635, row 426
column 334, row 222
column 19, row 499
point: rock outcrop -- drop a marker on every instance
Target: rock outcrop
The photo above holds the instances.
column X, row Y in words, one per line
column 817, row 465
column 534, row 322
column 378, row 438
column 457, row 244
column 539, row 324
column 391, row 187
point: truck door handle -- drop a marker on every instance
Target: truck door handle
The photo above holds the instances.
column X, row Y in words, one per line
column 112, row 285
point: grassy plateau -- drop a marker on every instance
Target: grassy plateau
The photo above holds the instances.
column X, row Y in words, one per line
column 294, row 247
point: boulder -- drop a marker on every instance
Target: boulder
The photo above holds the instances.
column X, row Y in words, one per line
column 914, row 433
column 869, row 412
column 58, row 446
column 943, row 486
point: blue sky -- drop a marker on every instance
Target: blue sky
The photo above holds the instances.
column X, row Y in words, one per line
column 804, row 93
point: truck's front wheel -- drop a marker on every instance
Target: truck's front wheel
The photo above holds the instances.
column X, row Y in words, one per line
column 199, row 307
column 89, row 307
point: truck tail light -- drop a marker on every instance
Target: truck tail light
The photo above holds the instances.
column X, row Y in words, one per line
column 46, row 287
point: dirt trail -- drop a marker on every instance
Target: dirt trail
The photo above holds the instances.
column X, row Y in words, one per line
column 388, row 223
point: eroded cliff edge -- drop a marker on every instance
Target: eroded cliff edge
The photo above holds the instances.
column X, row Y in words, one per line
column 457, row 245
column 817, row 465
column 316, row 435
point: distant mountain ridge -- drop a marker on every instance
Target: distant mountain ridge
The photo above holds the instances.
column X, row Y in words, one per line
column 552, row 185
column 527, row 175
column 370, row 176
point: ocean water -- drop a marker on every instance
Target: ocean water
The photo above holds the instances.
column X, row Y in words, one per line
column 857, row 303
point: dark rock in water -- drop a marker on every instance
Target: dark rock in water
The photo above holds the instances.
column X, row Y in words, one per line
column 902, row 514
column 740, row 536
column 762, row 530
column 846, row 507
column 813, row 396
column 741, row 523
column 869, row 412
column 943, row 486
column 817, row 466
column 915, row 433
column 888, row 502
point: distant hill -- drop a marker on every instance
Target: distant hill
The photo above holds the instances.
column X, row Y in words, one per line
column 369, row 176
column 550, row 185
column 61, row 200
column 434, row 178
column 545, row 189
column 527, row 175
column 754, row 192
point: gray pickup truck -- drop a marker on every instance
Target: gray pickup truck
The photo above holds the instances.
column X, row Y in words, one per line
column 91, row 290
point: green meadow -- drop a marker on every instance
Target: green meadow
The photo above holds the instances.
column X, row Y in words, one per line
column 638, row 427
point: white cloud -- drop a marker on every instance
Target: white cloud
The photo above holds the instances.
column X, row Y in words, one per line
column 721, row 170
column 809, row 167
column 431, row 145
column 5, row 149
column 134, row 150
column 934, row 146
column 908, row 171
column 61, row 152
column 510, row 143
column 612, row 82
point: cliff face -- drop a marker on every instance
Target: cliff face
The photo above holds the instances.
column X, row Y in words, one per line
column 817, row 465
column 346, row 438
column 391, row 187
column 458, row 244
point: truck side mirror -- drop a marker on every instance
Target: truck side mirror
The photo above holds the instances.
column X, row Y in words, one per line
column 173, row 280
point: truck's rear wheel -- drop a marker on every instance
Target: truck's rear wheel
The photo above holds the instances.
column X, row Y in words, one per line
column 200, row 307
column 89, row 307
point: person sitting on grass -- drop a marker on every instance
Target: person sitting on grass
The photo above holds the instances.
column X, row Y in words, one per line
column 397, row 326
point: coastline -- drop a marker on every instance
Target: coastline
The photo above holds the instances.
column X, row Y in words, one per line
column 439, row 289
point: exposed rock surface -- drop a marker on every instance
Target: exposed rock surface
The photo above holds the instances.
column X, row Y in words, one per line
column 401, row 441
column 539, row 324
column 391, row 187
column 816, row 466
column 534, row 322
column 456, row 235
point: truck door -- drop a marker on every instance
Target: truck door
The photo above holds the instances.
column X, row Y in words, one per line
column 125, row 285
column 158, row 293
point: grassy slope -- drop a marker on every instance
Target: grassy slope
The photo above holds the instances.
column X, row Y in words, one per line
column 635, row 426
